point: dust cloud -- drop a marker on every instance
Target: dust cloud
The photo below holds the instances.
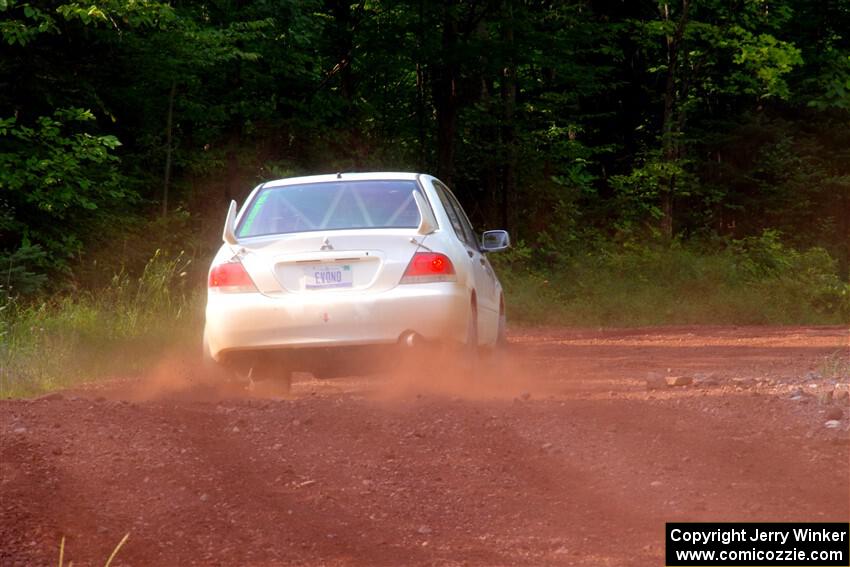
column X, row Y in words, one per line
column 180, row 376
column 502, row 375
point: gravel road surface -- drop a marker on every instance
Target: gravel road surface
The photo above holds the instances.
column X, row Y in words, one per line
column 574, row 451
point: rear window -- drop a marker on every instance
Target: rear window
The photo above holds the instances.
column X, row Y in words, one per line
column 331, row 206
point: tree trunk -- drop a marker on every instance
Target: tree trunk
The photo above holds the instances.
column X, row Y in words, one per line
column 508, row 109
column 446, row 75
column 168, row 147
column 232, row 184
column 344, row 47
column 669, row 128
column 231, row 181
column 845, row 224
column 420, row 89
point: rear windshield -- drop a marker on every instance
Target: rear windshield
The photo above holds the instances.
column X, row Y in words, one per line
column 331, row 206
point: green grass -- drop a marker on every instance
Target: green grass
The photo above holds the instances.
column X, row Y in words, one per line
column 116, row 331
column 634, row 286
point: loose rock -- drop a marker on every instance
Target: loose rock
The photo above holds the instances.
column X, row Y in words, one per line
column 679, row 380
column 834, row 414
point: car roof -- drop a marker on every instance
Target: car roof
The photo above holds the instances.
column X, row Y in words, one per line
column 370, row 176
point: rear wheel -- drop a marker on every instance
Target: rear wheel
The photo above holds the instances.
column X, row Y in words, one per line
column 245, row 370
column 470, row 351
column 273, row 373
column 502, row 335
column 216, row 371
column 493, row 364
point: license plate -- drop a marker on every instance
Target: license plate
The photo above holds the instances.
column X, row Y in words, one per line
column 328, row 276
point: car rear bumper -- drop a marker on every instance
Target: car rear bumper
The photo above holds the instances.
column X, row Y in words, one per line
column 253, row 321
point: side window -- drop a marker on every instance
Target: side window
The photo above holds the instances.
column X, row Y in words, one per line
column 457, row 226
column 464, row 231
column 471, row 239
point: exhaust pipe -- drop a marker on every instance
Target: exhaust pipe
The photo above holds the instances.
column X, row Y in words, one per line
column 410, row 339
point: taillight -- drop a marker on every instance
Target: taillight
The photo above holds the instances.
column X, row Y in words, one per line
column 230, row 277
column 429, row 267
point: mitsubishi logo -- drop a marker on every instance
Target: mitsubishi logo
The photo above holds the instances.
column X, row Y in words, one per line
column 326, row 244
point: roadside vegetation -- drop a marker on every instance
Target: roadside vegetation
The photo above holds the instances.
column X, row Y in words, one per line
column 753, row 281
column 120, row 329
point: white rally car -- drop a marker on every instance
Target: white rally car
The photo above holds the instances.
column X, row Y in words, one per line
column 316, row 271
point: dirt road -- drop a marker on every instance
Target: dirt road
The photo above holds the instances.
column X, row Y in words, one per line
column 566, row 458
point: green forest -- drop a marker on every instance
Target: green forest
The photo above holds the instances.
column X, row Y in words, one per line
column 655, row 161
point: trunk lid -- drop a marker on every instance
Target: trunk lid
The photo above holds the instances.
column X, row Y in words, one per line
column 342, row 261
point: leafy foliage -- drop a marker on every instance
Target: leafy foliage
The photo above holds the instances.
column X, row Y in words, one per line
column 55, row 178
column 569, row 123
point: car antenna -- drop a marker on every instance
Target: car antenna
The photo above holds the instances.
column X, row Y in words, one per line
column 339, row 175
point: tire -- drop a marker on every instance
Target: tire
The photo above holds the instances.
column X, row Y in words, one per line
column 499, row 348
column 470, row 352
column 325, row 371
column 495, row 355
column 275, row 372
column 214, row 370
column 502, row 334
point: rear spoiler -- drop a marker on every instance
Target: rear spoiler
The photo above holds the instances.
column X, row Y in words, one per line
column 229, row 232
column 428, row 224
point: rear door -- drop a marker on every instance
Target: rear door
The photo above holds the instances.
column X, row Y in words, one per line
column 485, row 279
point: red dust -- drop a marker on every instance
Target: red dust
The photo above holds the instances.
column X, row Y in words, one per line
column 505, row 374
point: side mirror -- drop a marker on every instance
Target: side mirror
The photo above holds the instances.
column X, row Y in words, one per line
column 229, row 233
column 495, row 241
